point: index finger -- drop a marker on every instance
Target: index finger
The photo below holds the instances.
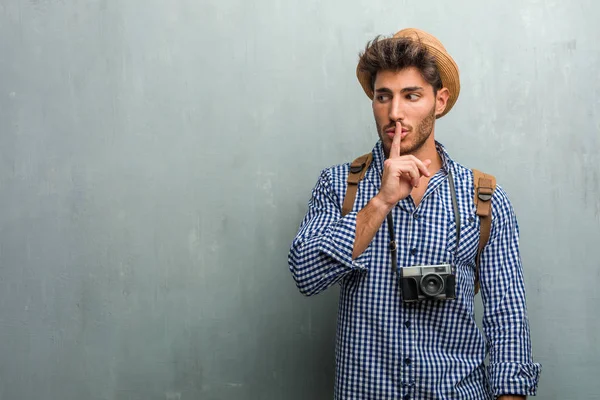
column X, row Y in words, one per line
column 395, row 149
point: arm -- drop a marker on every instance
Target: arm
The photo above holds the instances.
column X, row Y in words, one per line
column 505, row 323
column 368, row 222
column 329, row 246
column 321, row 253
column 400, row 175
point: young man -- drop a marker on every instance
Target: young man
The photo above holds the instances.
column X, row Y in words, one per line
column 414, row 213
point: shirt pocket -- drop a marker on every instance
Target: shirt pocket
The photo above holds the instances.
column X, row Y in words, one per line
column 468, row 241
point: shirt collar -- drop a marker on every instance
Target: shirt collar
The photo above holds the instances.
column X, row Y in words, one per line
column 447, row 162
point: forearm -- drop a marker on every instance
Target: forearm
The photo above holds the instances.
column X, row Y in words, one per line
column 511, row 397
column 323, row 258
column 368, row 222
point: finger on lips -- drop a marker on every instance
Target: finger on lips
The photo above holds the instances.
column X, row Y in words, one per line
column 395, row 150
column 411, row 167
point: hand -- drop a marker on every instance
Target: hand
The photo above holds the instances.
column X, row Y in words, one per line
column 400, row 173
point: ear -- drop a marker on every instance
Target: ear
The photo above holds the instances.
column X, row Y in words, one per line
column 441, row 100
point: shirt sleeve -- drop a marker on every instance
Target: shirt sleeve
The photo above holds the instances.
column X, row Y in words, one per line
column 321, row 253
column 511, row 369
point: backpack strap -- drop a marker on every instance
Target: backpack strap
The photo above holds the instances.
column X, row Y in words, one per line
column 357, row 172
column 484, row 189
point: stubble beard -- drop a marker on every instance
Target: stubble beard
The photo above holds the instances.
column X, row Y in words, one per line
column 420, row 135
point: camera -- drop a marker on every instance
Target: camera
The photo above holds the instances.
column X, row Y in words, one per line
column 428, row 282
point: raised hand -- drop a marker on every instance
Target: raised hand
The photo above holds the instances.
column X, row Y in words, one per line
column 400, row 173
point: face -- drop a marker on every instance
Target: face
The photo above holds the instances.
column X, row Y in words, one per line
column 406, row 97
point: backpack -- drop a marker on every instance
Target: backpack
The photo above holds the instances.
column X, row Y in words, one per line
column 485, row 185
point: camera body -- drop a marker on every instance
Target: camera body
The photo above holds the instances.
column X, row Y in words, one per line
column 428, row 282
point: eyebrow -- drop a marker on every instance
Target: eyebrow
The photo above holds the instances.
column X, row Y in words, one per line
column 404, row 90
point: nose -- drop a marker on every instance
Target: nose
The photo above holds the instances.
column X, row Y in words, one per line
column 396, row 111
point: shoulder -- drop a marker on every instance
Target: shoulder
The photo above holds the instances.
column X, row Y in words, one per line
column 501, row 204
column 502, row 208
column 332, row 182
column 335, row 175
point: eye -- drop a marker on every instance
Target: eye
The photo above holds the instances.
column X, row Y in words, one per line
column 382, row 97
column 413, row 96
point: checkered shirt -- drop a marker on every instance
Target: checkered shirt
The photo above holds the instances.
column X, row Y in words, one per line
column 432, row 349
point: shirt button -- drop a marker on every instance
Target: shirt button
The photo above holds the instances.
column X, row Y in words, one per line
column 407, row 361
column 407, row 324
column 416, row 216
column 413, row 251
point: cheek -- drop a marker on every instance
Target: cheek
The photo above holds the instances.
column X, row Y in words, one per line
column 421, row 112
column 418, row 109
column 380, row 111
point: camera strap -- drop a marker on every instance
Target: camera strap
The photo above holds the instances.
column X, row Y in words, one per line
column 390, row 224
column 484, row 185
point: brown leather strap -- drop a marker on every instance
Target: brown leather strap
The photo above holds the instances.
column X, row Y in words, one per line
column 484, row 189
column 357, row 172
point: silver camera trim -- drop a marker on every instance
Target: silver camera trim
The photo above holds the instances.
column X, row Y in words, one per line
column 411, row 271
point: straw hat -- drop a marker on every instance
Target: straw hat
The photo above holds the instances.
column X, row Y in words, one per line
column 446, row 65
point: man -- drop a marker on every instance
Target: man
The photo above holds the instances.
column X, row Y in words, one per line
column 390, row 346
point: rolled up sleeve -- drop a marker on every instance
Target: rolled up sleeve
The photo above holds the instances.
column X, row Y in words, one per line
column 514, row 378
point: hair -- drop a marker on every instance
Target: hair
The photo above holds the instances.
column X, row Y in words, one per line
column 396, row 54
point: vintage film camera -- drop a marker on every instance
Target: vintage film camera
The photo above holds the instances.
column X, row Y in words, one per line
column 428, row 282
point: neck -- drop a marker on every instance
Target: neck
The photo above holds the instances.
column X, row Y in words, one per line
column 429, row 151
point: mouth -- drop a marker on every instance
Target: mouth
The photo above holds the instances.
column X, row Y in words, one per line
column 391, row 132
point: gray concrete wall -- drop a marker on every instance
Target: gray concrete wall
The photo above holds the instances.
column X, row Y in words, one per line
column 156, row 158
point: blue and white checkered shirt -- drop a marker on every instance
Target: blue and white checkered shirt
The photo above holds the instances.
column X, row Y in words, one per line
column 387, row 349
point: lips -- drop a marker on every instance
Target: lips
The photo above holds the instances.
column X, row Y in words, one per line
column 392, row 132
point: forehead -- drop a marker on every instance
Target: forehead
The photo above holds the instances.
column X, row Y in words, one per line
column 397, row 80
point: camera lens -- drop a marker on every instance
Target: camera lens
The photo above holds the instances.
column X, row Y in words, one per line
column 432, row 285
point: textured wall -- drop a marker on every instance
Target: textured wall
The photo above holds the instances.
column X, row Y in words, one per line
column 156, row 158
